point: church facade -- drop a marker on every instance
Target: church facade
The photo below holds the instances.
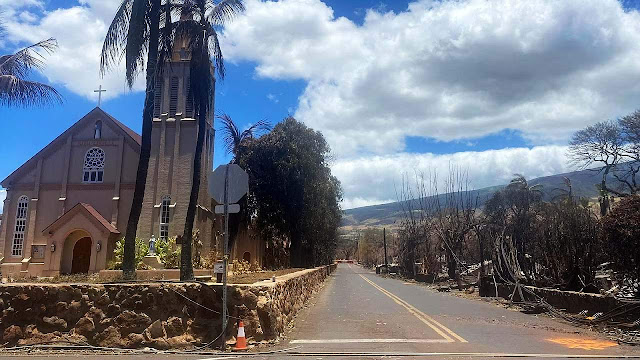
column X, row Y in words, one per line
column 68, row 205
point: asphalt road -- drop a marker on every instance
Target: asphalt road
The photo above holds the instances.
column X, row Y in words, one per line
column 360, row 315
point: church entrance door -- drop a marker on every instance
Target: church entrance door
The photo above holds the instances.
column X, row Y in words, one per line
column 81, row 256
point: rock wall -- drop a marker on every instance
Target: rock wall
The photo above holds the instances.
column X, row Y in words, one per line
column 161, row 315
column 570, row 301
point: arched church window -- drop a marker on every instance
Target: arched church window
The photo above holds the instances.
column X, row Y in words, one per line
column 93, row 171
column 164, row 217
column 97, row 132
column 20, row 227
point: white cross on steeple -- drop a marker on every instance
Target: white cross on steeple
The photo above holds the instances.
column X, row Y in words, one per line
column 99, row 91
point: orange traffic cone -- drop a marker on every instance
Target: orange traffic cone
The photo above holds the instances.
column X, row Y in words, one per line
column 241, row 342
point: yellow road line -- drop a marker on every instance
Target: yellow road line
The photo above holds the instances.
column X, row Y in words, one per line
column 433, row 324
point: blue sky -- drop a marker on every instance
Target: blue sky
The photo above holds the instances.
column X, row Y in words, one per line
column 396, row 87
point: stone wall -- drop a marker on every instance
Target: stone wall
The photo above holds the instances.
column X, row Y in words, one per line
column 161, row 315
column 570, row 301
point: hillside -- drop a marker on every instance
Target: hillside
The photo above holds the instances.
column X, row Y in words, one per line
column 583, row 183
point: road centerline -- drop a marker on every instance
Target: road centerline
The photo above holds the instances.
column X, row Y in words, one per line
column 429, row 321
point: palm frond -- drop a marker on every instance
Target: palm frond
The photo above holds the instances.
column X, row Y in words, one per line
column 18, row 92
column 216, row 53
column 255, row 129
column 167, row 36
column 115, row 40
column 136, row 46
column 230, row 132
column 23, row 61
column 224, row 11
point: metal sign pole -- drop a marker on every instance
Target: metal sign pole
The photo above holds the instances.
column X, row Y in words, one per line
column 225, row 258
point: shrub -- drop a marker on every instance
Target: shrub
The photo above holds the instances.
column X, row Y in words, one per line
column 169, row 253
column 241, row 267
column 141, row 251
column 210, row 259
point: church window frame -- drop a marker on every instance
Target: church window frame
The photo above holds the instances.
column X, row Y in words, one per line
column 93, row 169
column 20, row 227
column 165, row 207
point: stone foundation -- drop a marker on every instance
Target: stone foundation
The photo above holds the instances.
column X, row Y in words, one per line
column 159, row 315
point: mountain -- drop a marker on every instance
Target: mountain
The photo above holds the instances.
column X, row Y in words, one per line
column 583, row 184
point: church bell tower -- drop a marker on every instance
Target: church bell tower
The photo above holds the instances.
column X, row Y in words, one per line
column 173, row 143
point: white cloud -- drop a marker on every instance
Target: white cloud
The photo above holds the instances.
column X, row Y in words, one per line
column 374, row 179
column 446, row 69
column 80, row 31
column 273, row 98
column 3, row 195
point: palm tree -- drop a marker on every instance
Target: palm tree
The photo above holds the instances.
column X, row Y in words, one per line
column 199, row 21
column 136, row 31
column 15, row 89
column 234, row 139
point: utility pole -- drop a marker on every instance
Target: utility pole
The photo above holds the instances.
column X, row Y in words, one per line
column 384, row 240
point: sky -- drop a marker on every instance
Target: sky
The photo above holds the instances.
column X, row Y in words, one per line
column 396, row 87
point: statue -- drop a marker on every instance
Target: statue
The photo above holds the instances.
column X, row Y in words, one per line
column 152, row 246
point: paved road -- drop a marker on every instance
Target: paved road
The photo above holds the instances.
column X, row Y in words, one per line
column 372, row 317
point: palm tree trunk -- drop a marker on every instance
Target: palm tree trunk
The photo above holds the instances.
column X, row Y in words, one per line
column 186, row 265
column 128, row 261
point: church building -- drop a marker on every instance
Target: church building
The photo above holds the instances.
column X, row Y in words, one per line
column 68, row 205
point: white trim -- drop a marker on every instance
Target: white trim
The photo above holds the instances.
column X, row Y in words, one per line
column 93, row 168
column 20, row 226
column 358, row 341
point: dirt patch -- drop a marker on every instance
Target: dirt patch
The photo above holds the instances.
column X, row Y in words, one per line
column 252, row 277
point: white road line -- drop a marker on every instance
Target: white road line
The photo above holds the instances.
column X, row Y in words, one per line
column 439, row 355
column 355, row 341
column 221, row 358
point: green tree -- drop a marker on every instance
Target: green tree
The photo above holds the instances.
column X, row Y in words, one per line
column 136, row 31
column 200, row 18
column 235, row 142
column 293, row 194
column 15, row 89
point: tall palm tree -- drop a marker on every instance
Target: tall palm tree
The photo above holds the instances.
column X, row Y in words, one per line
column 15, row 89
column 234, row 138
column 200, row 18
column 136, row 31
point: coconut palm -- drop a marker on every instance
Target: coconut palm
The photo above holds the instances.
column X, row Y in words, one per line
column 15, row 89
column 139, row 28
column 199, row 20
column 234, row 139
